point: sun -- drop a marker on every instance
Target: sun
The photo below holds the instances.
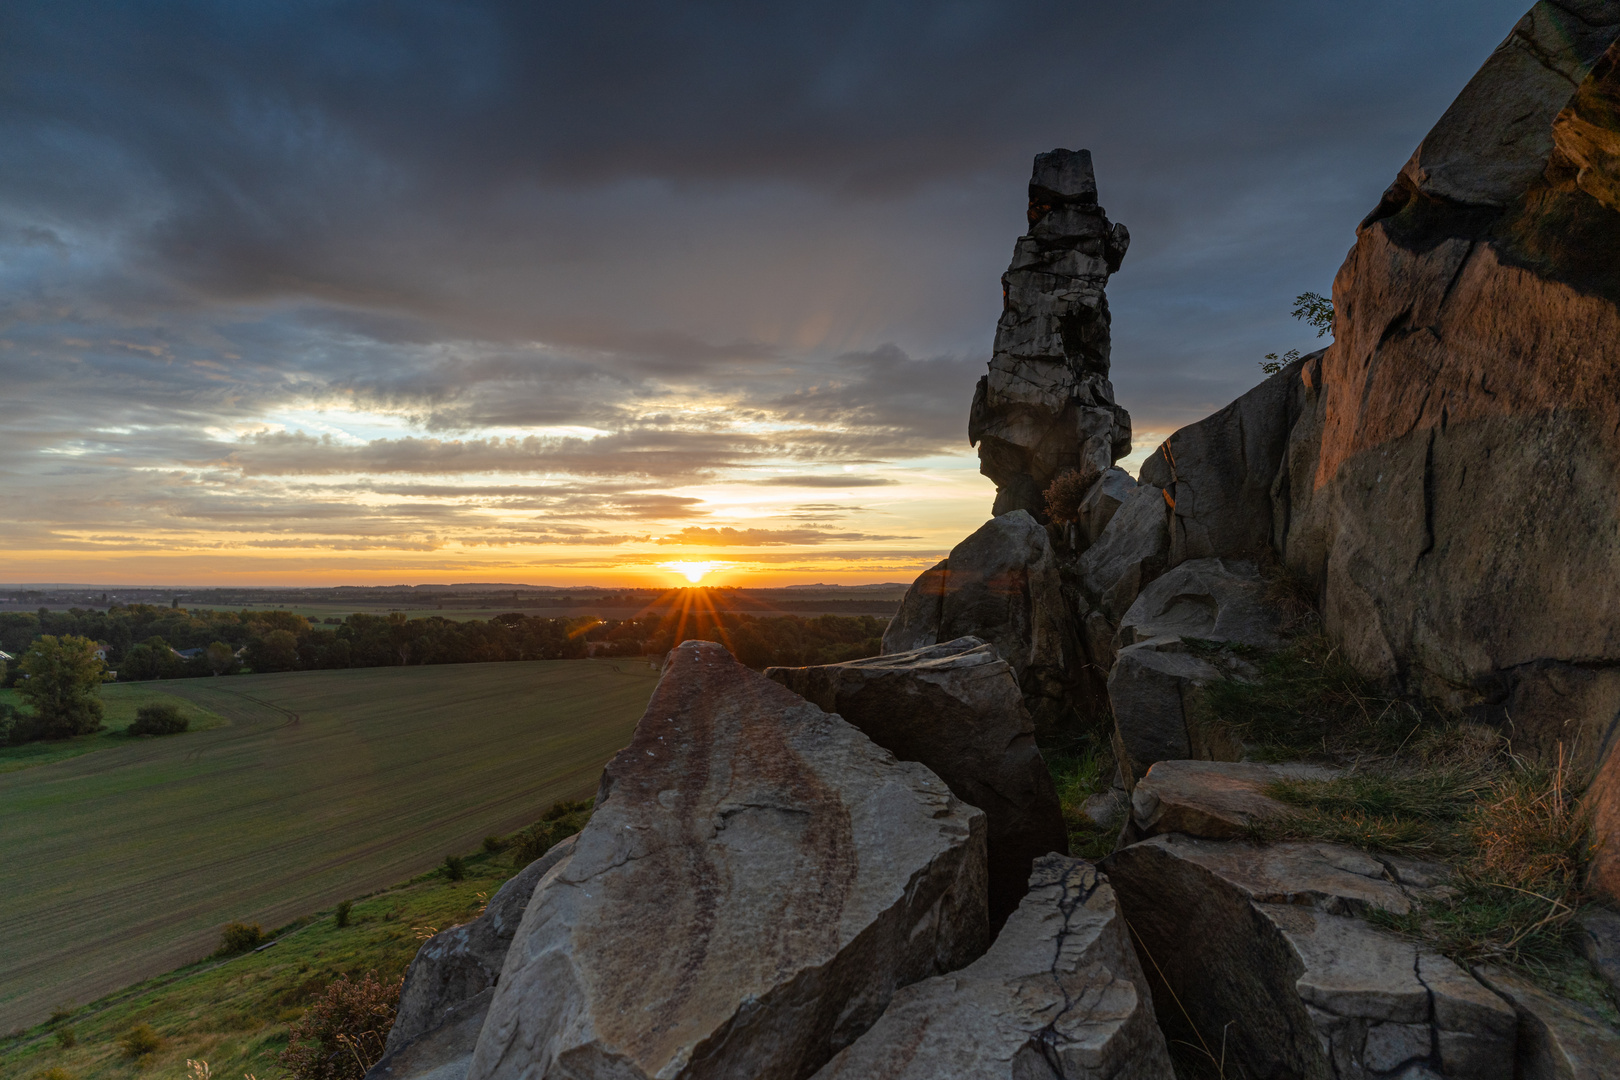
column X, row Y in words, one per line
column 692, row 571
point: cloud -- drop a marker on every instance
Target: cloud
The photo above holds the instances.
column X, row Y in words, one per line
column 729, row 537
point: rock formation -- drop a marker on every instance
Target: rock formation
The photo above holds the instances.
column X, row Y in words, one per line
column 1046, row 405
column 756, row 882
column 1060, row 994
column 1263, row 950
column 1001, row 585
column 955, row 708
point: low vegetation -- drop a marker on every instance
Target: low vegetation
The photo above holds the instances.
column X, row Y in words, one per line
column 160, row 719
column 316, row 1007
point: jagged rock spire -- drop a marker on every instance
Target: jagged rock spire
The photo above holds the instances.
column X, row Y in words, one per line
column 1046, row 405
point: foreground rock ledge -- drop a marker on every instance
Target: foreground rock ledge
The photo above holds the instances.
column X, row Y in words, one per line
column 956, row 708
column 1060, row 994
column 757, row 881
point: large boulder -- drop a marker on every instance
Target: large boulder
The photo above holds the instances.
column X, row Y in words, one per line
column 1100, row 504
column 955, row 708
column 1258, row 955
column 1132, row 550
column 1217, row 474
column 1060, row 994
column 1450, row 484
column 1001, row 585
column 1210, row 599
column 462, row 962
column 757, row 880
column 1046, row 406
column 1156, row 691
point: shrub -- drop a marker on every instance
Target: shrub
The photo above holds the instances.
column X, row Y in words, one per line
column 344, row 1031
column 67, row 1038
column 57, row 1073
column 240, row 937
column 164, row 719
column 563, row 820
column 61, row 1013
column 343, row 910
column 455, row 867
column 1064, row 496
column 139, row 1041
column 494, row 844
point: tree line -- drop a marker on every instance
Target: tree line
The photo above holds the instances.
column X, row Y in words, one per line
column 58, row 670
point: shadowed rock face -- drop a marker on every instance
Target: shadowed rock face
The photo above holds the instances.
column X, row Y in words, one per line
column 756, row 882
column 1060, row 994
column 1046, row 405
column 1001, row 585
column 955, row 708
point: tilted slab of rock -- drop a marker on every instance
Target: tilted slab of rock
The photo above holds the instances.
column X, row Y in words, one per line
column 1215, row 800
column 1599, row 942
column 1000, row 585
column 1097, row 509
column 1260, row 946
column 1046, row 406
column 1130, row 552
column 957, row 709
column 459, row 963
column 1212, row 599
column 1558, row 1040
column 1218, row 474
column 757, row 880
column 1060, row 994
column 444, row 1051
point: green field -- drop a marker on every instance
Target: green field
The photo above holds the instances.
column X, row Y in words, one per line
column 123, row 864
column 118, row 704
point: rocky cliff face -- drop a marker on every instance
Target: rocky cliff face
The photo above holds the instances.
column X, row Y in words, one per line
column 1046, row 405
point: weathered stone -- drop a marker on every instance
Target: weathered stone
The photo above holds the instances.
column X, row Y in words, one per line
column 1558, row 1040
column 957, row 709
column 1130, row 552
column 1217, row 474
column 1155, row 690
column 443, row 1052
column 1060, row 994
column 1000, row 585
column 1599, row 942
column 462, row 962
column 1046, row 405
column 1104, row 499
column 1216, row 800
column 1212, row 599
column 1275, row 967
column 757, row 880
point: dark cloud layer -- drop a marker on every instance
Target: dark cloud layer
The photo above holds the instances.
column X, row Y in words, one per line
column 624, row 246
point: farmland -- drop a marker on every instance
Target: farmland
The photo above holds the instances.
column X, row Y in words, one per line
column 322, row 785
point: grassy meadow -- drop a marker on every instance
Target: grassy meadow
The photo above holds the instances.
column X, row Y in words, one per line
column 322, row 785
column 118, row 703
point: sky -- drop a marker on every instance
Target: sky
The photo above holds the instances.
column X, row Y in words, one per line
column 308, row 293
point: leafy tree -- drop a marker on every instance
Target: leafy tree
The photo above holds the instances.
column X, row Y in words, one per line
column 1313, row 309
column 275, row 651
column 221, row 657
column 62, row 680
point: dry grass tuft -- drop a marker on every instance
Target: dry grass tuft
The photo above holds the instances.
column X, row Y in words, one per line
column 1065, row 494
column 343, row 1033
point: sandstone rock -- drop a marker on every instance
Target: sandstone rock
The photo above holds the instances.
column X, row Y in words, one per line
column 1276, row 968
column 444, row 1051
column 1130, row 552
column 1000, row 585
column 756, row 882
column 1155, row 690
column 957, row 709
column 1046, row 404
column 462, row 962
column 1097, row 509
column 1600, row 942
column 1217, row 474
column 1213, row 599
column 1216, row 800
column 1060, row 994
column 1557, row 1040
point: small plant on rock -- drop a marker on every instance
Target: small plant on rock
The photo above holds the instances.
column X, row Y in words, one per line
column 1064, row 496
column 343, row 1033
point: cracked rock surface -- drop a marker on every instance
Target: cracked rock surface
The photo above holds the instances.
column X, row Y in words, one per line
column 1046, row 406
column 1215, row 800
column 1060, row 994
column 757, row 880
column 1263, row 948
column 955, row 708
